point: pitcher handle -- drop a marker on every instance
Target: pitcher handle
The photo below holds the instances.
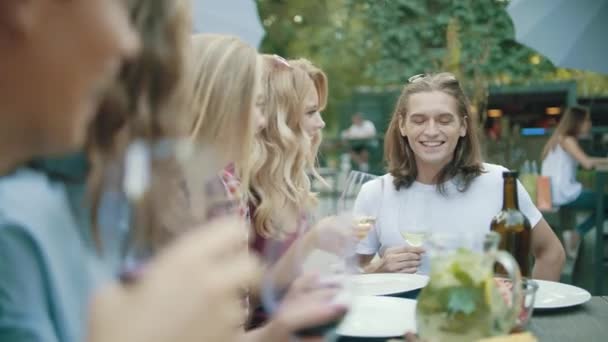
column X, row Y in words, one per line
column 510, row 265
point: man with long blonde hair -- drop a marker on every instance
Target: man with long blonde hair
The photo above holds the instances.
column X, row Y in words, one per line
column 435, row 166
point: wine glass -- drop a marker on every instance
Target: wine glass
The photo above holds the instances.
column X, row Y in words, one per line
column 348, row 205
column 164, row 188
column 289, row 260
column 414, row 226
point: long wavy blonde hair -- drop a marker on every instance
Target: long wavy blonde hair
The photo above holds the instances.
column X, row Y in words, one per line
column 144, row 101
column 223, row 75
column 284, row 155
column 218, row 96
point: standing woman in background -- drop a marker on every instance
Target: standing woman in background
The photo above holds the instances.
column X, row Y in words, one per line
column 561, row 157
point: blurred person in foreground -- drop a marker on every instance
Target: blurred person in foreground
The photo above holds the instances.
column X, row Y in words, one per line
column 57, row 58
column 562, row 156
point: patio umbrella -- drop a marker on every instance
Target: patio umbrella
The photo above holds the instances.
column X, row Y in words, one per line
column 571, row 33
column 236, row 17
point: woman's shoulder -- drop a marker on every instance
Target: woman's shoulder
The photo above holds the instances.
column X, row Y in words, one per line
column 492, row 172
column 567, row 141
column 489, row 168
column 29, row 191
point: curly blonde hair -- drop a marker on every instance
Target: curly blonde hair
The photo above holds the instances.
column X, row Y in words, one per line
column 284, row 154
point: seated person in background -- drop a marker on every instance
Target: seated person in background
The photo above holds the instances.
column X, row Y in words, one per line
column 561, row 157
column 359, row 131
column 438, row 181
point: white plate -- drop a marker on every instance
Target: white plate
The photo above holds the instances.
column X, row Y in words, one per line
column 552, row 295
column 378, row 284
column 377, row 316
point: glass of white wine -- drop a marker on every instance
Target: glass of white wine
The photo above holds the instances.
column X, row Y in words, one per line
column 412, row 237
column 414, row 223
column 158, row 191
column 364, row 222
column 287, row 264
column 415, row 227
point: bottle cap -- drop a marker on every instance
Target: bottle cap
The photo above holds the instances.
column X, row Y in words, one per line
column 510, row 174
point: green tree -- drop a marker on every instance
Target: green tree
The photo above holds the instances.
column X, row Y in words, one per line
column 331, row 33
column 382, row 43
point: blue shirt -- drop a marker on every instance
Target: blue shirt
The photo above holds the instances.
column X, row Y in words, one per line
column 49, row 264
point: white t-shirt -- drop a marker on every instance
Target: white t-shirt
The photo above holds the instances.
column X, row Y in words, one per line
column 561, row 167
column 363, row 131
column 422, row 206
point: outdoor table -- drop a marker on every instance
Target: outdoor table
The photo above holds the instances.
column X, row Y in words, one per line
column 587, row 322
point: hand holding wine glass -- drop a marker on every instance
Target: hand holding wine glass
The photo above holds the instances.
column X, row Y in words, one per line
column 305, row 287
column 363, row 222
column 414, row 229
column 309, row 303
column 401, row 259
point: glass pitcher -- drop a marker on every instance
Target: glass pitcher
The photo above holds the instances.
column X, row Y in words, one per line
column 462, row 301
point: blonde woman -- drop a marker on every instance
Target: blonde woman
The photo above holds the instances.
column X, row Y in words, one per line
column 285, row 156
column 281, row 199
column 218, row 96
column 223, row 97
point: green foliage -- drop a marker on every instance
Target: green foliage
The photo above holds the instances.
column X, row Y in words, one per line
column 589, row 84
column 331, row 33
column 381, row 43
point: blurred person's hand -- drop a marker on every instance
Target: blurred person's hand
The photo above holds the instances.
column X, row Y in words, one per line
column 335, row 234
column 189, row 293
column 308, row 303
column 402, row 259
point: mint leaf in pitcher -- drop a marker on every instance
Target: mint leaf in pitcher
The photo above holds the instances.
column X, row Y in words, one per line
column 462, row 300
